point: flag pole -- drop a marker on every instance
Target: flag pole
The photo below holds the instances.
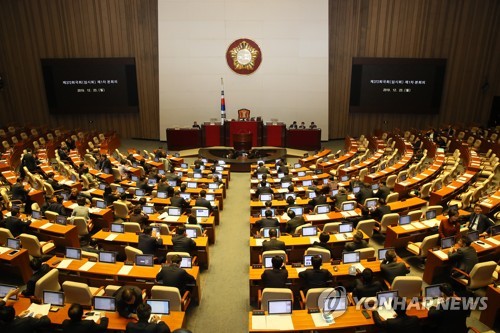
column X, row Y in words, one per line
column 222, row 103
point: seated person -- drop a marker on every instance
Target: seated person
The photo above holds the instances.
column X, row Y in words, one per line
column 201, row 201
column 54, row 183
column 366, row 287
column 449, row 316
column 262, row 168
column 315, row 277
column 324, row 238
column 276, row 277
column 173, row 275
column 339, row 198
column 294, row 222
column 478, row 221
column 313, row 125
column 139, row 216
column 402, row 323
column 57, row 205
column 128, row 299
column 390, row 268
column 273, row 243
column 75, row 324
column 9, row 322
column 364, row 193
column 182, row 243
column 450, row 226
column 178, row 201
column 39, row 270
column 145, row 323
column 15, row 225
column 192, row 220
column 382, row 209
column 357, row 242
column 148, row 243
column 463, row 255
column 268, row 221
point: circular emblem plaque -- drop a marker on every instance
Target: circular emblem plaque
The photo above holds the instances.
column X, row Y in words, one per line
column 244, row 56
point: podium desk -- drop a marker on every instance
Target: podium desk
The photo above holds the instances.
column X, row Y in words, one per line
column 132, row 239
column 174, row 320
column 212, row 134
column 183, row 138
column 306, row 139
column 274, row 134
column 238, row 126
column 17, row 264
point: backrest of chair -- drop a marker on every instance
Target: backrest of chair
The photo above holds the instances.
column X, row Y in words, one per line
column 392, row 197
column 49, row 190
column 244, row 114
column 181, row 254
column 111, row 289
column 4, row 234
column 324, row 253
column 85, row 182
column 271, row 254
column 438, row 208
column 387, row 220
column 49, row 281
column 172, row 294
column 269, row 294
column 121, row 209
column 331, row 227
column 365, row 253
column 50, row 215
column 313, row 296
column 31, row 243
column 425, row 190
column 481, row 274
column 131, row 227
column 298, row 230
column 164, row 229
column 90, row 255
column 194, row 227
column 131, row 252
column 116, row 174
column 366, row 226
column 407, row 286
column 318, row 207
column 415, row 215
column 81, row 225
column 428, row 243
column 76, row 292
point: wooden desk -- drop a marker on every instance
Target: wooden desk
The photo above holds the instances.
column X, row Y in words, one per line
column 116, row 323
column 18, row 264
column 435, row 265
column 408, row 204
column 104, row 177
column 354, row 169
column 490, row 315
column 102, row 218
column 62, row 235
column 491, row 203
column 448, row 192
column 310, row 160
column 130, row 238
column 208, row 224
column 282, row 205
column 183, row 138
column 394, row 169
column 306, row 139
column 351, row 150
column 424, row 177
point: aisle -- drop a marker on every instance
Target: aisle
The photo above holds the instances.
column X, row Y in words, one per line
column 225, row 285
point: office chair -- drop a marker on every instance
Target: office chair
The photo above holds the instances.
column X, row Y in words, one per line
column 366, row 226
column 131, row 252
column 422, row 248
column 331, row 227
column 407, row 286
column 365, row 253
column 49, row 281
column 35, row 247
column 76, row 292
column 312, row 299
column 4, row 234
column 324, row 253
column 387, row 220
column 480, row 276
column 269, row 294
column 172, row 294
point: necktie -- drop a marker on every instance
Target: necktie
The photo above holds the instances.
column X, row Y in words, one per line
column 475, row 222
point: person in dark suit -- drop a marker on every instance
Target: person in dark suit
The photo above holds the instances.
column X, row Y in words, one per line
column 128, row 299
column 201, row 201
column 450, row 315
column 57, row 206
column 364, row 193
column 149, row 244
column 287, row 177
column 273, row 243
column 320, row 199
column 145, row 324
column 29, row 161
column 276, row 277
column 261, row 168
column 39, row 270
column 478, row 221
column 324, row 238
column 382, row 209
column 18, row 191
column 390, row 268
column 263, row 188
column 139, row 217
column 366, row 287
column 357, row 242
column 179, row 201
column 75, row 324
column 54, row 183
column 163, row 186
column 339, row 198
column 11, row 323
column 268, row 221
column 294, row 222
column 315, row 277
column 174, row 276
column 182, row 243
column 465, row 257
column 105, row 165
column 383, row 191
column 402, row 323
column 293, row 125
column 14, row 223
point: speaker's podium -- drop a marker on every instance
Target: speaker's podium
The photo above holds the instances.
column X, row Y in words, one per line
column 244, row 127
column 212, row 134
column 274, row 134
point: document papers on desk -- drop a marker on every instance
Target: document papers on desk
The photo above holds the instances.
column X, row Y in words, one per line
column 349, row 213
column 317, row 217
column 313, row 239
column 493, row 240
column 407, row 227
column 166, row 217
column 441, row 254
column 319, row 320
column 431, row 223
column 46, row 225
column 64, row 263
column 88, row 265
column 35, row 309
column 282, row 322
column 4, row 249
column 259, row 241
column 125, row 269
column 111, row 237
column 419, row 225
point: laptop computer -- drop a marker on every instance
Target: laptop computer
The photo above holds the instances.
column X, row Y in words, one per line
column 309, row 231
column 186, row 196
column 432, row 296
column 302, row 174
column 36, row 215
column 174, row 211
column 265, row 197
column 118, row 228
column 202, row 213
column 263, row 211
column 335, row 303
column 134, row 178
column 148, row 210
column 192, row 185
column 54, row 298
column 265, row 232
column 347, row 206
column 172, row 183
column 140, row 192
column 186, row 262
column 382, row 252
column 101, row 204
column 293, row 195
column 334, row 193
column 307, row 183
column 297, row 166
column 356, row 189
column 102, row 186
column 14, row 243
column 495, row 230
column 350, row 257
column 384, row 303
column 61, row 219
column 447, row 242
column 375, row 186
column 5, row 289
column 152, row 181
column 323, row 209
column 107, row 257
column 104, row 303
column 280, row 175
column 285, row 184
column 197, row 175
column 371, row 203
column 298, row 210
column 210, row 197
column 213, row 186
column 144, row 260
column 191, row 233
column 184, row 165
column 344, row 178
column 473, row 235
column 159, row 307
column 161, row 195
column 404, row 219
column 73, row 253
column 346, row 229
column 311, row 195
column 308, row 259
column 161, row 171
column 279, row 307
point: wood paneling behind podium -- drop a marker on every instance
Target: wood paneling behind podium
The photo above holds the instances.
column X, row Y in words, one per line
column 463, row 31
column 32, row 29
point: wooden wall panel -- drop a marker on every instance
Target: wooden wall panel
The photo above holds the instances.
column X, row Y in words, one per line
column 35, row 29
column 466, row 32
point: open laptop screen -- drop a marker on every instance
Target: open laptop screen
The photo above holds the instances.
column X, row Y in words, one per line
column 356, row 189
column 404, row 219
column 61, row 219
column 148, row 209
column 191, row 233
column 302, row 174
column 159, row 306
column 311, row 195
column 161, row 195
column 473, row 235
column 307, row 183
column 298, row 210
column 102, row 186
column 323, row 209
column 347, row 206
column 210, row 197
column 14, row 243
column 197, row 175
column 386, row 297
column 350, row 257
column 345, row 227
column 53, row 297
column 447, row 242
column 265, row 232
column 192, row 185
column 73, row 253
column 100, row 204
column 174, row 211
column 186, row 262
column 376, row 185
column 140, row 192
column 432, row 291
column 117, row 227
column 186, row 196
column 285, row 184
column 335, row 304
column 309, row 231
column 279, row 307
column 202, row 212
column 5, row 289
column 36, row 215
column 371, row 203
column 382, row 252
column 107, row 257
column 308, row 259
column 430, row 214
column 144, row 260
column 297, row 166
column 266, row 197
column 344, row 178
column 263, row 211
column 172, row 183
column 293, row 195
column 104, row 303
column 213, row 186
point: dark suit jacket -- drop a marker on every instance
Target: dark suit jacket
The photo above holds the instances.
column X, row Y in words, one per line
column 383, row 192
column 173, row 276
column 380, row 211
column 363, row 194
column 391, row 270
column 202, row 202
column 352, row 246
column 312, row 278
column 183, row 243
column 85, row 326
column 319, row 200
column 274, row 278
column 29, row 162
column 16, row 225
column 400, row 324
column 273, row 244
column 366, row 290
column 482, row 225
column 294, row 223
column 18, row 192
column 55, row 184
column 267, row 223
column 58, row 208
column 465, row 258
column 106, row 165
column 123, row 308
column 145, row 327
column 30, row 285
column 179, row 202
column 26, row 325
column 444, row 321
column 264, row 190
column 148, row 244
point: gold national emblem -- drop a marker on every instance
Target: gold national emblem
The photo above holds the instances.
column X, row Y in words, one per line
column 244, row 56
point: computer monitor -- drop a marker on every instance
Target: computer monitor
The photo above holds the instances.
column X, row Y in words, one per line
column 404, row 219
column 430, row 214
column 191, row 233
column 307, row 183
column 345, row 227
column 148, row 210
column 192, row 185
column 159, row 306
column 386, row 297
column 432, row 291
column 184, row 165
column 213, row 186
column 265, row 232
column 61, row 219
column 14, row 243
column 298, row 210
column 347, row 164
column 100, row 204
column 350, row 257
column 309, row 231
column 265, row 197
column 186, row 262
column 174, row 211
column 65, row 196
column 172, row 183
column 371, row 203
column 334, row 192
column 344, row 178
column 382, row 166
column 102, row 186
column 297, row 166
column 152, row 181
column 104, row 303
column 144, row 260
column 156, row 229
column 279, row 307
column 402, row 177
column 219, row 168
column 311, row 194
column 447, row 242
column 197, row 175
column 293, row 195
column 118, row 228
column 186, row 196
column 202, row 212
column 453, row 207
column 438, row 186
column 323, row 209
column 161, row 195
column 336, row 303
column 347, row 206
column 263, row 211
column 495, row 230
column 36, row 215
column 308, row 259
column 473, row 235
column 73, row 253
column 5, row 289
column 161, row 171
column 382, row 252
column 179, row 174
column 107, row 257
column 140, row 192
column 280, row 175
column 259, row 176
column 301, row 174
column 55, row 298
column 356, row 189
column 285, row 184
column 134, row 178
column 210, row 197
